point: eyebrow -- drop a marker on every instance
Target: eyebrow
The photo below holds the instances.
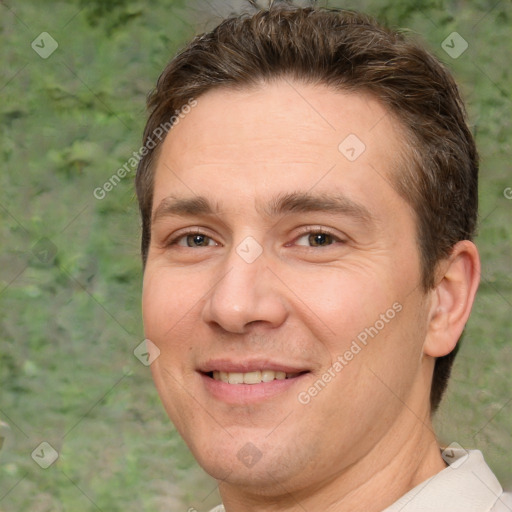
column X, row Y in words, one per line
column 282, row 204
column 305, row 202
column 186, row 206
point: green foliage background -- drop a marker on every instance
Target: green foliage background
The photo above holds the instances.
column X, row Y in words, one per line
column 70, row 273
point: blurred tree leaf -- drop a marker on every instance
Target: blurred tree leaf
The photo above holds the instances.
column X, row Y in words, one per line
column 112, row 14
column 398, row 12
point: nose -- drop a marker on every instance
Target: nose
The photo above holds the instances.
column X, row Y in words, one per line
column 247, row 294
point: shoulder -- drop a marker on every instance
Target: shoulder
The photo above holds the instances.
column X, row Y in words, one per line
column 503, row 503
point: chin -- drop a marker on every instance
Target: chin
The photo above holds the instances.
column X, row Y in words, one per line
column 257, row 463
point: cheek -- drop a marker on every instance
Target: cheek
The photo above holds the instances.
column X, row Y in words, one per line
column 166, row 304
column 338, row 303
column 371, row 320
column 167, row 297
column 171, row 302
column 372, row 371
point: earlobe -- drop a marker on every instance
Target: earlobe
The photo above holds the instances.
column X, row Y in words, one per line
column 452, row 299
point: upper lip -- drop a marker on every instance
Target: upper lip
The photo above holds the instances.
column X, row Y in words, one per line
column 248, row 365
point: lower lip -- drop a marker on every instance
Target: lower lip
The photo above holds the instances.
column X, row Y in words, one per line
column 248, row 393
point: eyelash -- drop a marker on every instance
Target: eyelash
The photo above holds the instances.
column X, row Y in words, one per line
column 309, row 231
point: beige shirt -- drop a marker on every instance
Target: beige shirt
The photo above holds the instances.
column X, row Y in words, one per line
column 466, row 485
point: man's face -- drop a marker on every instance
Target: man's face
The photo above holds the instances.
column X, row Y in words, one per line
column 279, row 247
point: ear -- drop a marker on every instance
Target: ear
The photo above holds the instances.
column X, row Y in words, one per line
column 452, row 299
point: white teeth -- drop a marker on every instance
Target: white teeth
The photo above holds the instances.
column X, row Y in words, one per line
column 268, row 375
column 251, row 377
column 236, row 378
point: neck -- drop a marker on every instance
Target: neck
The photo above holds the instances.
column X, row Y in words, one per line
column 406, row 456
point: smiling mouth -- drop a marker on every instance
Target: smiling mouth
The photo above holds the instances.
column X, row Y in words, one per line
column 256, row 377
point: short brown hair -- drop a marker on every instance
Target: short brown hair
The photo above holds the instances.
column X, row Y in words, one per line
column 347, row 51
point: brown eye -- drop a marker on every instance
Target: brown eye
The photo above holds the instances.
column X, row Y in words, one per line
column 192, row 239
column 316, row 239
column 320, row 239
column 198, row 240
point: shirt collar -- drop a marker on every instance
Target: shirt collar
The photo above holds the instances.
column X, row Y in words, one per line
column 466, row 485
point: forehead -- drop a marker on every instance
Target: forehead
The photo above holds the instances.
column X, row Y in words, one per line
column 283, row 135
